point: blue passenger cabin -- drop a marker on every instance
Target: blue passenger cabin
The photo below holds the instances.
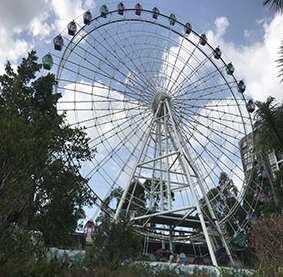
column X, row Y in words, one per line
column 250, row 106
column 58, row 43
column 217, row 53
column 121, row 8
column 72, row 28
column 188, row 28
column 87, row 17
column 203, row 40
column 241, row 86
column 155, row 13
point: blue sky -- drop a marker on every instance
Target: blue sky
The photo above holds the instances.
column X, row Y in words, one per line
column 248, row 33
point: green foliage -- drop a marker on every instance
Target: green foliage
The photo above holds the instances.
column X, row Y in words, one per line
column 23, row 254
column 154, row 188
column 276, row 5
column 41, row 187
column 279, row 62
column 99, row 272
column 267, row 240
column 222, row 198
column 137, row 195
column 269, row 137
column 115, row 242
column 270, row 119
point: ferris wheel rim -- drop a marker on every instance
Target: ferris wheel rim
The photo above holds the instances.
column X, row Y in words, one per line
column 82, row 29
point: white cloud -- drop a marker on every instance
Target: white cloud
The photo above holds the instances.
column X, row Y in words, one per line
column 23, row 22
column 11, row 49
column 39, row 27
column 89, row 4
column 255, row 63
column 17, row 20
column 66, row 11
column 221, row 24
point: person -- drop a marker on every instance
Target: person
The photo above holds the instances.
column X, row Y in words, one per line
column 178, row 260
column 171, row 257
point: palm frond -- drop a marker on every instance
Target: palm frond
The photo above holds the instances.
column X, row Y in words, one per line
column 276, row 5
column 280, row 62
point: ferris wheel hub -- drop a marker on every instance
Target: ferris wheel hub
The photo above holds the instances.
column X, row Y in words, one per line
column 167, row 121
column 160, row 97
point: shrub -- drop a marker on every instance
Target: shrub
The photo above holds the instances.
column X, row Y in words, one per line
column 267, row 240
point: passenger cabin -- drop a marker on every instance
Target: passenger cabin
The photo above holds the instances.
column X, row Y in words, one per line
column 104, row 11
column 250, row 106
column 217, row 53
column 251, row 217
column 230, row 69
column 203, row 40
column 188, row 28
column 138, row 9
column 261, row 174
column 198, row 260
column 121, row 8
column 172, row 19
column 259, row 197
column 47, row 61
column 241, row 86
column 72, row 28
column 222, row 256
column 58, row 43
column 155, row 13
column 89, row 230
column 240, row 240
column 87, row 17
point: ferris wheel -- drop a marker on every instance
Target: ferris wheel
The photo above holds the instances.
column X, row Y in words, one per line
column 169, row 121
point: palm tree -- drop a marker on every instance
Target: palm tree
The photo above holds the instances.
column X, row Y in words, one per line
column 269, row 137
column 268, row 116
column 277, row 5
column 280, row 62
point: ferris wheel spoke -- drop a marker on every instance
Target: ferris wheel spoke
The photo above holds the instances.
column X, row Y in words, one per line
column 216, row 146
column 207, row 92
column 165, row 117
column 219, row 131
column 113, row 157
column 131, row 56
column 203, row 82
column 188, row 75
column 99, row 70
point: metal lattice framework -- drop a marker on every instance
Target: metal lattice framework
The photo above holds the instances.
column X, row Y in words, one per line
column 165, row 114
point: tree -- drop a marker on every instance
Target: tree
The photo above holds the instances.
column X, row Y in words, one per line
column 134, row 204
column 267, row 237
column 116, row 241
column 41, row 187
column 280, row 62
column 154, row 188
column 23, row 255
column 222, row 198
column 269, row 116
column 277, row 5
column 269, row 137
